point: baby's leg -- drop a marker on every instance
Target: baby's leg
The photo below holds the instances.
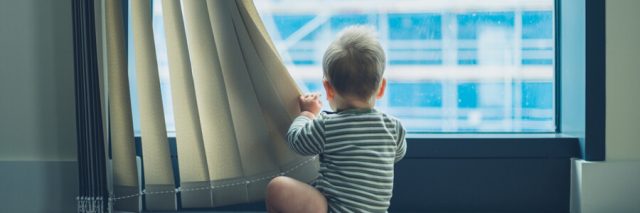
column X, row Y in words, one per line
column 285, row 194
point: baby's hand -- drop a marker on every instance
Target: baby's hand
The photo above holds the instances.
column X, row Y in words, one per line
column 310, row 103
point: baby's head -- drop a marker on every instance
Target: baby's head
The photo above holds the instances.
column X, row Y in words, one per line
column 353, row 67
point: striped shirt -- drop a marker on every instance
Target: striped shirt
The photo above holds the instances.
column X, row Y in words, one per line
column 357, row 149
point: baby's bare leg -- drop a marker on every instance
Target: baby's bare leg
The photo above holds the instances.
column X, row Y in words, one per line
column 285, row 194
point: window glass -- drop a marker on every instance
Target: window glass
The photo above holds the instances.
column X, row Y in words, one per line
column 452, row 66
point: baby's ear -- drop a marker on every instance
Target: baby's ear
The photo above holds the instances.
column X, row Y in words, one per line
column 329, row 89
column 383, row 86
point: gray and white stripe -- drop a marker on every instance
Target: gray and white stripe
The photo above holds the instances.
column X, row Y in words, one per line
column 357, row 152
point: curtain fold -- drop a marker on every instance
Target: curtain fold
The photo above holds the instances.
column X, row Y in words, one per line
column 156, row 159
column 233, row 102
column 194, row 172
column 277, row 93
column 126, row 186
column 211, row 93
column 252, row 135
column 93, row 193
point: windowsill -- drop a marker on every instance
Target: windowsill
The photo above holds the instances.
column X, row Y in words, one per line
column 478, row 146
column 483, row 135
column 482, row 146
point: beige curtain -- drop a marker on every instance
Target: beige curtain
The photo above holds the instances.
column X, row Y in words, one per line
column 233, row 102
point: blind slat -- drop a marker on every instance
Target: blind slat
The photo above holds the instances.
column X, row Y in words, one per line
column 276, row 91
column 277, row 72
column 215, row 116
column 267, row 79
column 251, row 130
column 158, row 172
column 125, row 178
column 192, row 161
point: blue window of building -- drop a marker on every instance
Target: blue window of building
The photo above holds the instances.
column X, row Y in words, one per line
column 289, row 24
column 468, row 95
column 340, row 21
column 547, row 60
column 537, row 38
column 470, row 23
column 415, row 39
column 537, row 95
column 470, row 28
column 423, row 94
column 408, row 26
column 537, row 25
column 422, row 57
column 467, row 56
column 300, row 53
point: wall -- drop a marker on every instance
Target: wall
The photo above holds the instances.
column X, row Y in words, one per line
column 614, row 185
column 623, row 74
column 37, row 138
column 37, row 115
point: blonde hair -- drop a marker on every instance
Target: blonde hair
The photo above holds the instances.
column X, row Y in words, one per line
column 354, row 63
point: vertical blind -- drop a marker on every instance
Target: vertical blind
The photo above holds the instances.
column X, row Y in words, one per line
column 233, row 102
column 93, row 192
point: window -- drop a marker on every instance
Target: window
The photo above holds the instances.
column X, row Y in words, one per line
column 452, row 66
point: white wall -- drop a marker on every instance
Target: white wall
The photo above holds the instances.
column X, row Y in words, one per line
column 614, row 185
column 37, row 118
column 38, row 172
column 623, row 80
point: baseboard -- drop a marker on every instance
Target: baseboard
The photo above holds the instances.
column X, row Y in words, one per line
column 608, row 186
column 38, row 186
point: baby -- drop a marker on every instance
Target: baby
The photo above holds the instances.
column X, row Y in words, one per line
column 358, row 145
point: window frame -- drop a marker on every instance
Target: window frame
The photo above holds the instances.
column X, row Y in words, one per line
column 556, row 84
column 594, row 95
column 593, row 141
column 576, row 136
column 583, row 133
column 592, row 149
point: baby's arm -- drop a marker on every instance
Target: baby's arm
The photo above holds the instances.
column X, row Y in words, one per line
column 306, row 134
column 401, row 149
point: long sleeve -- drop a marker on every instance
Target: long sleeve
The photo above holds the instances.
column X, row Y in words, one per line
column 401, row 149
column 306, row 136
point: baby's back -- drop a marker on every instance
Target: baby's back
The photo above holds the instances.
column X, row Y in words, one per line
column 356, row 165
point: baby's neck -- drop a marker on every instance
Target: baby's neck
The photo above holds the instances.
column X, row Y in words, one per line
column 341, row 103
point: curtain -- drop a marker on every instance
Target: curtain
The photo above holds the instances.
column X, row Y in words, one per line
column 233, row 102
column 93, row 193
